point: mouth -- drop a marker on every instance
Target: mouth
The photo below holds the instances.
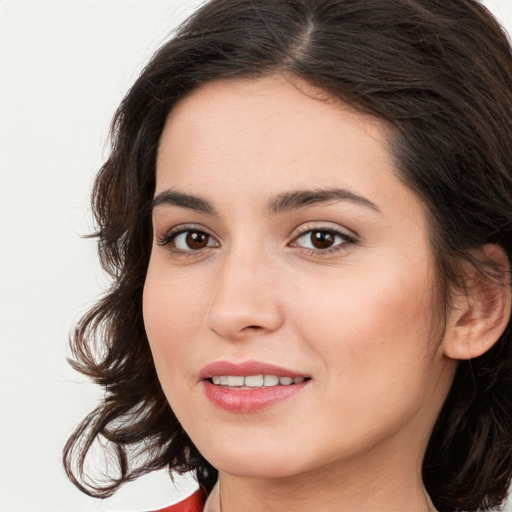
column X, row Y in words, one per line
column 254, row 381
column 250, row 386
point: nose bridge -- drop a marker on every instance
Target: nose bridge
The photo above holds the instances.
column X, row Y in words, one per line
column 245, row 298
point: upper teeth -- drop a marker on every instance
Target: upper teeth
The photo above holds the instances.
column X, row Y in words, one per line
column 254, row 381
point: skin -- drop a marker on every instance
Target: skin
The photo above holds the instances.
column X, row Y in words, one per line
column 362, row 320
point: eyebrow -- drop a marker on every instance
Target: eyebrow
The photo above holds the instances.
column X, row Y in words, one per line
column 302, row 198
column 281, row 203
column 172, row 197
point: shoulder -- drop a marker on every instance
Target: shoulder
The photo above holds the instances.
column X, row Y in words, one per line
column 193, row 503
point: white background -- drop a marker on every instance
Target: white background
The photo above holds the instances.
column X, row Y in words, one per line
column 64, row 67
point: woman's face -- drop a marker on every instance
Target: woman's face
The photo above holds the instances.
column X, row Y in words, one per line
column 287, row 250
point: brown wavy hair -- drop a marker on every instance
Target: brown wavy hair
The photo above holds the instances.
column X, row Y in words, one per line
column 440, row 74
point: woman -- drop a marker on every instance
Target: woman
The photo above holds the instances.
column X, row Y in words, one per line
column 307, row 216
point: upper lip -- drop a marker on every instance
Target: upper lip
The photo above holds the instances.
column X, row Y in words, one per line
column 246, row 369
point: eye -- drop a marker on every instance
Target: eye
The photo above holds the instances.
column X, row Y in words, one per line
column 188, row 240
column 322, row 239
column 192, row 241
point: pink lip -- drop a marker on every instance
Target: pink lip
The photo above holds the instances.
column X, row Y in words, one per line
column 250, row 399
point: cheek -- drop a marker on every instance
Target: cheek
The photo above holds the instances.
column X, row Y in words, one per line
column 371, row 336
column 173, row 311
column 371, row 322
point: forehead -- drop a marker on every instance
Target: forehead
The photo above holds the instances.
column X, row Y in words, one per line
column 258, row 103
column 266, row 126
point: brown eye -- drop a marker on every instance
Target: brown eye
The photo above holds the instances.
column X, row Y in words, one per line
column 196, row 240
column 322, row 239
column 190, row 240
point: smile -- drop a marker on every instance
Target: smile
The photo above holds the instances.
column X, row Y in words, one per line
column 250, row 386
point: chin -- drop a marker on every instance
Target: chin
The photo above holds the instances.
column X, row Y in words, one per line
column 246, row 468
column 253, row 460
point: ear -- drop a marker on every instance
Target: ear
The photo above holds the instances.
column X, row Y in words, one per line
column 480, row 313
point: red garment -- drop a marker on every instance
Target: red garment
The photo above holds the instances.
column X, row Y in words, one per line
column 193, row 503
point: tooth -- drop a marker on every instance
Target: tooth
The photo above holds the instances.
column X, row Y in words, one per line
column 270, row 380
column 254, row 381
column 235, row 381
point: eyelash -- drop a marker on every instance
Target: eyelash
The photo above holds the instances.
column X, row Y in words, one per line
column 348, row 239
column 169, row 238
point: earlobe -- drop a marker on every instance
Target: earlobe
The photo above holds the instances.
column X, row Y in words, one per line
column 481, row 313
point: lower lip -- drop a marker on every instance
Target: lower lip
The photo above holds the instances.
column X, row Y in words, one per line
column 249, row 400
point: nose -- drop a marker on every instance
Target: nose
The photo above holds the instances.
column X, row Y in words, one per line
column 245, row 299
